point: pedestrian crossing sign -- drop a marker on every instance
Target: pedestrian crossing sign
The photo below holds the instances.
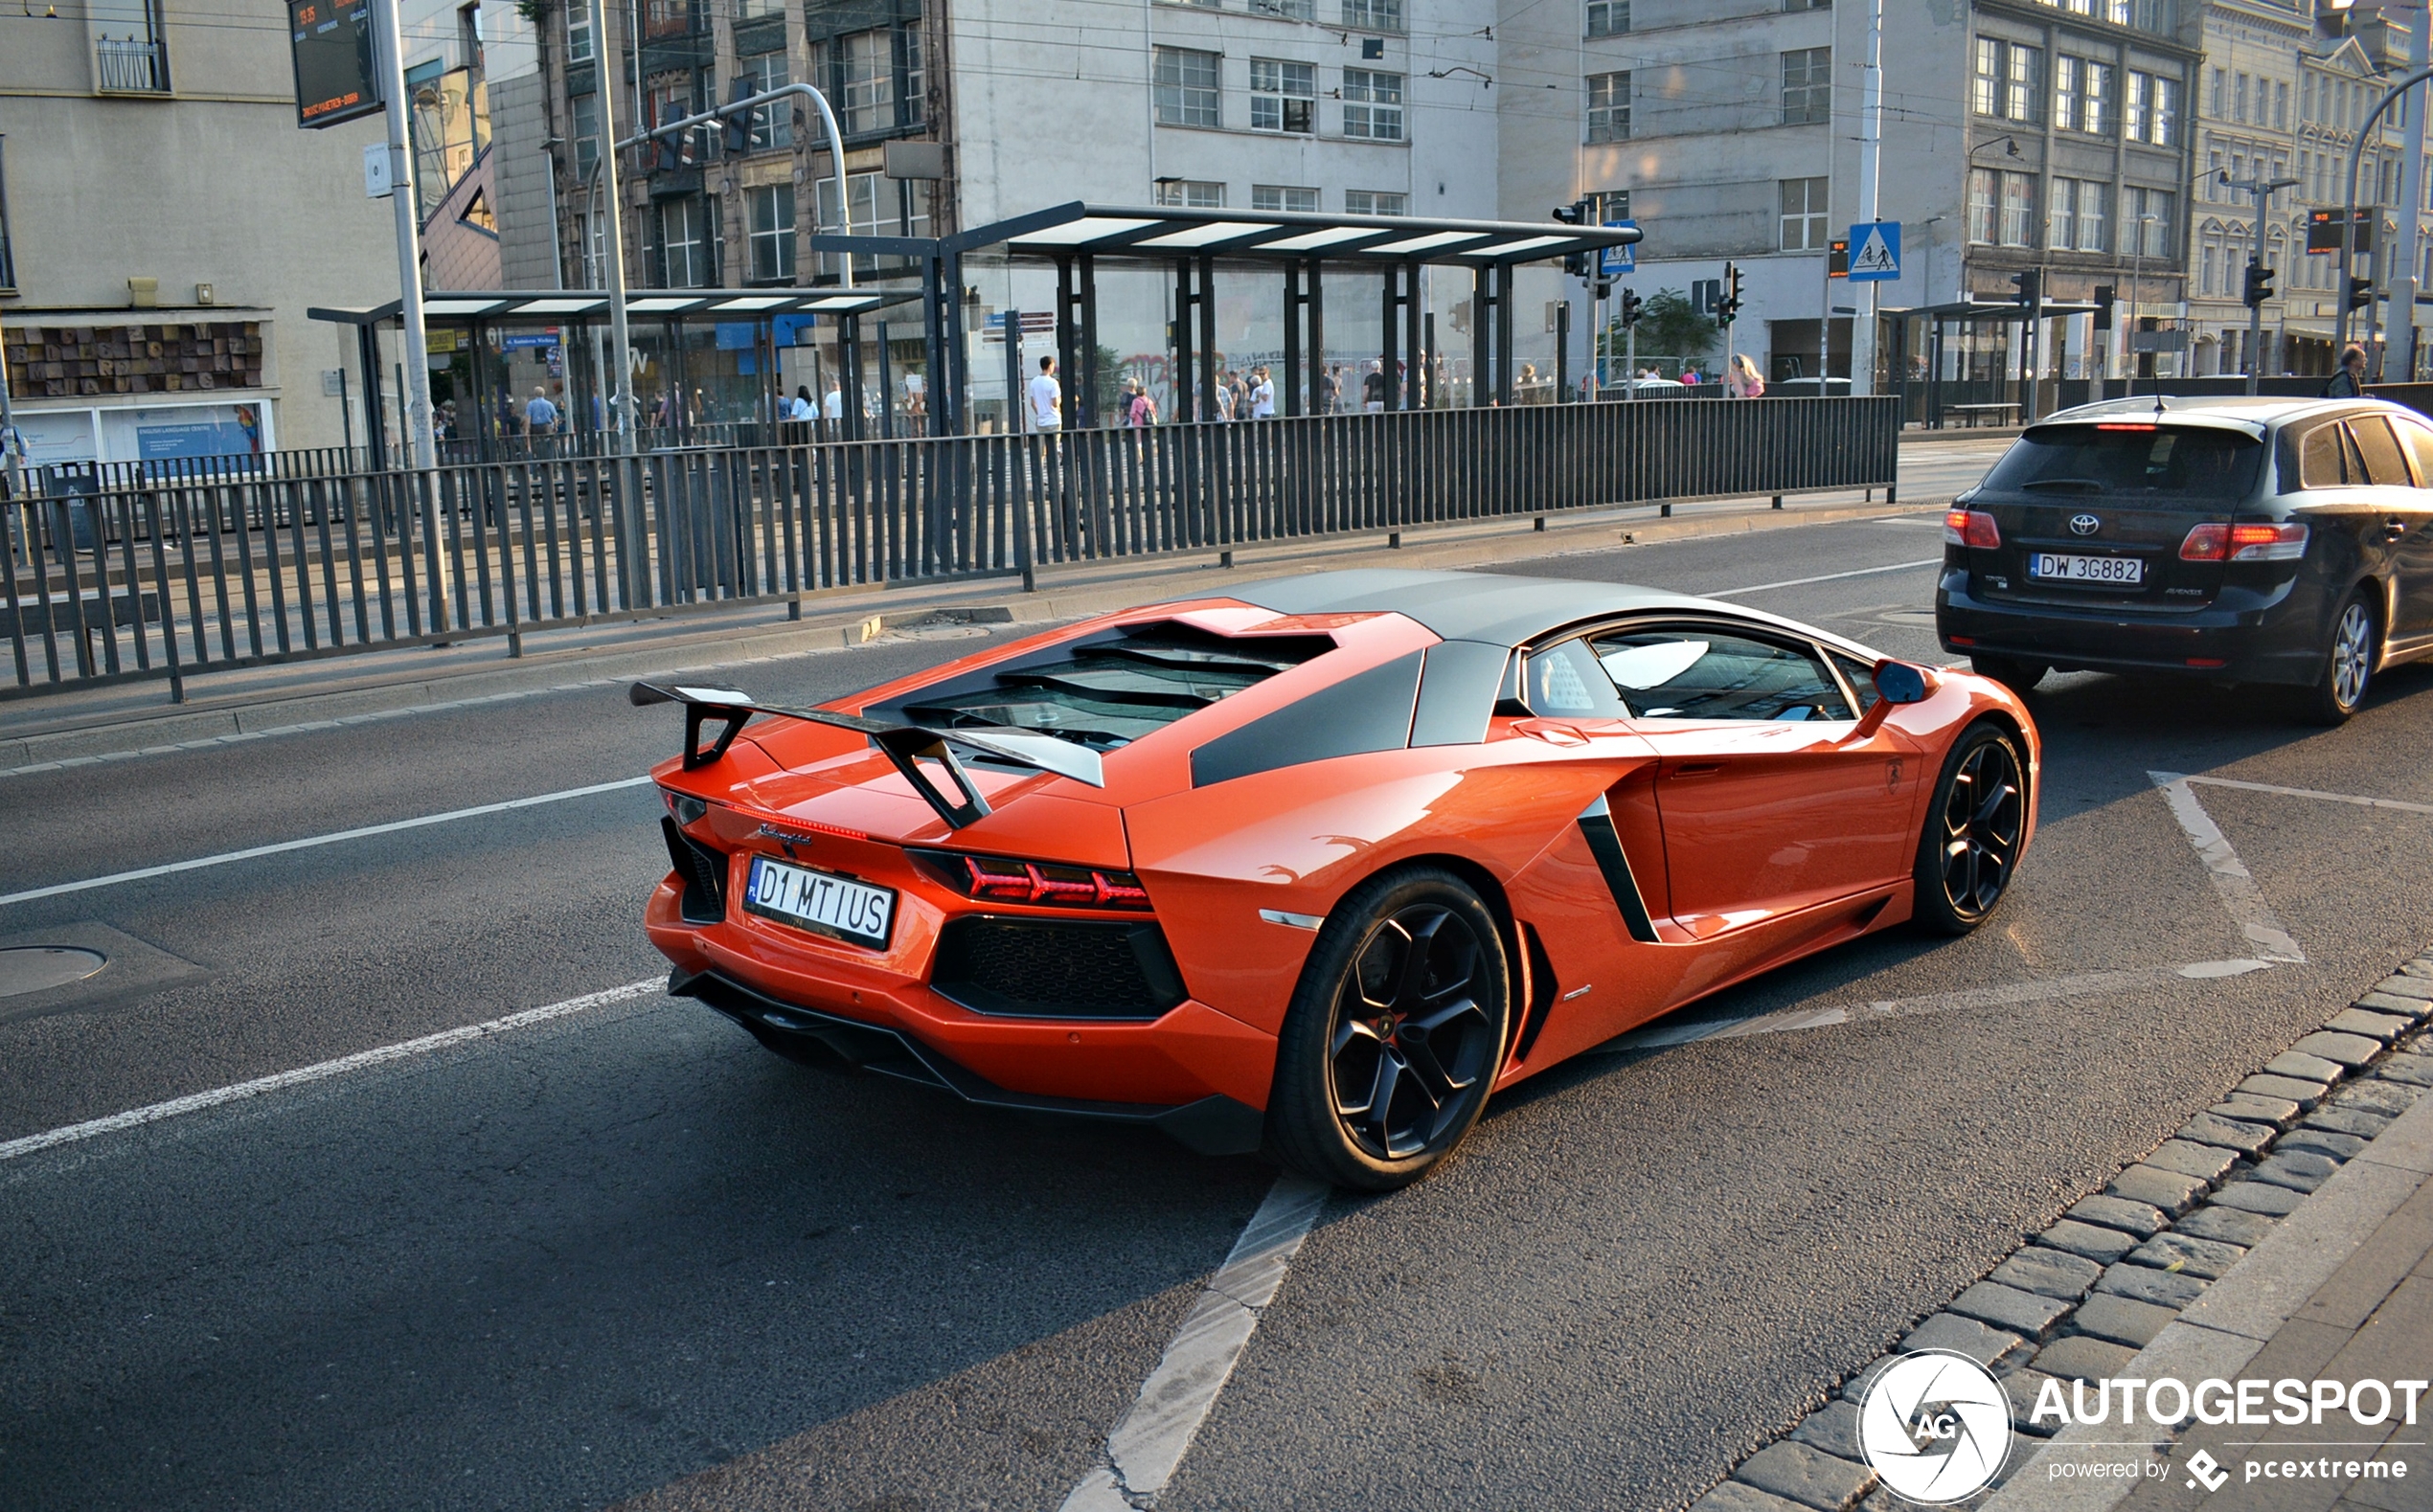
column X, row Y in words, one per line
column 1875, row 255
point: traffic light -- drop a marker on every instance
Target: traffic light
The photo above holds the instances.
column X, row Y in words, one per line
column 1727, row 308
column 2259, row 285
column 2360, row 293
column 1630, row 307
column 1575, row 214
column 2030, row 283
column 738, row 125
column 2104, row 295
column 1600, row 287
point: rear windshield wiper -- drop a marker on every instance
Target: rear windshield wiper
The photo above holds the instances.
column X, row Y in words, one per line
column 2093, row 484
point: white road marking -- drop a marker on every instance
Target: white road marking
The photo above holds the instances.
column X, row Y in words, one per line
column 1147, row 1446
column 2309, row 792
column 309, row 842
column 2232, row 880
column 1823, row 577
column 195, row 1102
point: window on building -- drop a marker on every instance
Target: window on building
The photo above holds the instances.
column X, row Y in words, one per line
column 1807, row 86
column 1375, row 202
column 1610, row 107
column 865, row 65
column 1187, row 87
column 1372, row 104
column 577, row 33
column 1285, row 198
column 2061, row 226
column 772, row 232
column 1985, row 77
column 2069, row 89
column 2146, row 217
column 1983, row 193
column 2023, row 67
column 1190, row 194
column 136, row 63
column 753, row 10
column 881, row 205
column 2095, row 116
column 2137, row 104
column 1289, row 9
column 1609, row 17
column 2095, row 198
column 1803, row 211
column 1373, row 15
column 2018, row 209
column 685, row 243
column 2002, row 79
column 1284, row 96
column 1608, row 205
column 1808, row 5
column 2280, row 104
column 2218, row 93
column 772, row 125
column 2208, row 278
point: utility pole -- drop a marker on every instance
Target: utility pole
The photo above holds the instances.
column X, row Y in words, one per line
column 407, row 201
column 1870, row 148
column 2402, row 280
column 620, row 386
column 2259, row 285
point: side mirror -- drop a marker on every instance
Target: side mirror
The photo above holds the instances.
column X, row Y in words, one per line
column 1900, row 683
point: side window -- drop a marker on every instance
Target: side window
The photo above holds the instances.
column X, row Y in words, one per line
column 1566, row 681
column 1708, row 672
column 2419, row 440
column 1861, row 677
column 2320, row 458
column 2384, row 467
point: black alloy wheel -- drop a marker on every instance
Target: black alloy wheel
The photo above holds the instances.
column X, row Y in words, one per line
column 2347, row 663
column 2009, row 671
column 1395, row 1035
column 1974, row 832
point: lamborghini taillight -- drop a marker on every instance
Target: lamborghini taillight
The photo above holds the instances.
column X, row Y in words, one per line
column 1041, row 883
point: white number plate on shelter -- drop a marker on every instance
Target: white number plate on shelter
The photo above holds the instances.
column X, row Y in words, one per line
column 819, row 902
column 2046, row 567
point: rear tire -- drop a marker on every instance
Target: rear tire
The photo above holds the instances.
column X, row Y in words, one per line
column 1976, row 829
column 1395, row 1034
column 2009, row 671
column 2347, row 671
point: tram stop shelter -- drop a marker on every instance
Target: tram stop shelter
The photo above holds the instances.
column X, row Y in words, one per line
column 1078, row 240
column 754, row 324
column 1965, row 392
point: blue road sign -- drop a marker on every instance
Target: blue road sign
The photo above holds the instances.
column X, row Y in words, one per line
column 1874, row 252
column 1614, row 261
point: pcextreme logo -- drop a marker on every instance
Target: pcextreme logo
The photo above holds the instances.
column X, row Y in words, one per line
column 1936, row 1425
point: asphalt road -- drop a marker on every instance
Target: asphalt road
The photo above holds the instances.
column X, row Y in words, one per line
column 627, row 1256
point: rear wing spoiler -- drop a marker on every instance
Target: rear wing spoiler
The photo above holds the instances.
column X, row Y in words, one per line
column 907, row 746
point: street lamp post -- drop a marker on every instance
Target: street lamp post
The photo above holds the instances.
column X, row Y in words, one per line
column 2137, row 262
column 2261, row 189
column 2348, row 215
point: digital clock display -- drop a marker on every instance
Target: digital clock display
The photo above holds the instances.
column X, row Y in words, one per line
column 331, row 42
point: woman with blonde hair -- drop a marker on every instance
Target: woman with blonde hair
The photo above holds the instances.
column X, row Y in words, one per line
column 1742, row 382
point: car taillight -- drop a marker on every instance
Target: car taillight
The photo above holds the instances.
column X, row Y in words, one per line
column 1002, row 879
column 1972, row 528
column 2244, row 543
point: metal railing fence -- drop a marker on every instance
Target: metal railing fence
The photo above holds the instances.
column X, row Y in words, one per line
column 183, row 574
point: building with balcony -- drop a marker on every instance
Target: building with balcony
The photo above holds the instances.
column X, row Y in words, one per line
column 162, row 225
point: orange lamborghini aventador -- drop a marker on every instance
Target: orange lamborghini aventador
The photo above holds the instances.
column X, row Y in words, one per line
column 1318, row 865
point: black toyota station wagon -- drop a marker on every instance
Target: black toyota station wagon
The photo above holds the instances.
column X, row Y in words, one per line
column 2238, row 540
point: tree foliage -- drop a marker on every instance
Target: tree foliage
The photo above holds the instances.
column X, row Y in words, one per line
column 1670, row 327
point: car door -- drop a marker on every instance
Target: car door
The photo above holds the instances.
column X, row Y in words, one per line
column 1771, row 797
column 2412, row 553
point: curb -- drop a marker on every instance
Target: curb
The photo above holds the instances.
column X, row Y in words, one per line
column 2183, row 1266
column 858, row 616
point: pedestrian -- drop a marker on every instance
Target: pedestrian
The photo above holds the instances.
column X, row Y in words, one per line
column 1329, row 395
column 1224, row 401
column 1262, row 395
column 2349, row 383
column 1141, row 410
column 1047, row 399
column 1373, row 388
column 540, row 416
column 1741, row 381
column 834, row 406
column 801, row 407
column 1689, row 376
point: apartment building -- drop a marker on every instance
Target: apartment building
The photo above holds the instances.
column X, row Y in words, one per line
column 163, row 226
column 2046, row 135
column 2282, row 100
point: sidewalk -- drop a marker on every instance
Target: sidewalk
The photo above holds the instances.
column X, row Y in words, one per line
column 82, row 723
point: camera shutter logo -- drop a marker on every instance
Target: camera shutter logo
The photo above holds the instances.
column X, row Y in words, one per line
column 2086, row 524
column 1936, row 1425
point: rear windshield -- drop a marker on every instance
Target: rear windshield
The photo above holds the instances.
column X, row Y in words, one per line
column 2061, row 461
column 1112, row 690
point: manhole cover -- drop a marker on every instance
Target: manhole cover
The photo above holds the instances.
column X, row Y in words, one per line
column 35, row 968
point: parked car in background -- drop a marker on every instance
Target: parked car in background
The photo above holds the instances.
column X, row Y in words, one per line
column 2236, row 540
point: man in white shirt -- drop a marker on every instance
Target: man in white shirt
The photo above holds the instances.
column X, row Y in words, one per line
column 834, row 406
column 1047, row 399
column 1263, row 396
